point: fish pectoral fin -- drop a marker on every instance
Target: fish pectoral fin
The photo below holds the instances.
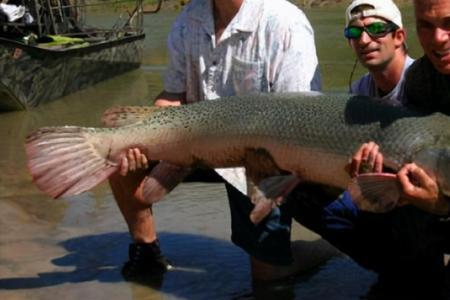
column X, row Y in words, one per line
column 126, row 115
column 375, row 192
column 163, row 178
column 270, row 192
column 278, row 186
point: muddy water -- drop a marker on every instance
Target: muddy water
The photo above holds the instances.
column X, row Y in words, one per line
column 73, row 248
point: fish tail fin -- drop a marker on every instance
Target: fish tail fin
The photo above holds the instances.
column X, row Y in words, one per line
column 125, row 115
column 65, row 161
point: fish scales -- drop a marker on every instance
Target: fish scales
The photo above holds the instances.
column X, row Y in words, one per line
column 238, row 123
column 310, row 135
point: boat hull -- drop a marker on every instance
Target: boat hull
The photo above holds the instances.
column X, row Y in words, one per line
column 30, row 76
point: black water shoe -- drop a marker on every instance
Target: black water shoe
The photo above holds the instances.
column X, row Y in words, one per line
column 145, row 261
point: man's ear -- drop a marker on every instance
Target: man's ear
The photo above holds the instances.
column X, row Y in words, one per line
column 400, row 37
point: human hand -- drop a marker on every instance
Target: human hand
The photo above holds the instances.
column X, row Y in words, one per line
column 367, row 159
column 132, row 161
column 421, row 189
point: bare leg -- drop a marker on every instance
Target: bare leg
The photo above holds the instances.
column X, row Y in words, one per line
column 145, row 257
column 138, row 216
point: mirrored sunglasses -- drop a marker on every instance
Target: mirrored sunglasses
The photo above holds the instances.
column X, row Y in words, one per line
column 374, row 30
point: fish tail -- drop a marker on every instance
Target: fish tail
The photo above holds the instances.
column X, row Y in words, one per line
column 65, row 161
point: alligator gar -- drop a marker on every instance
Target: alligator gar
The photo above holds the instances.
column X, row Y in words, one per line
column 310, row 136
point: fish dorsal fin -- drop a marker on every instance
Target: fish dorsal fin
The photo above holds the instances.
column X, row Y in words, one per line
column 375, row 192
column 269, row 193
column 118, row 116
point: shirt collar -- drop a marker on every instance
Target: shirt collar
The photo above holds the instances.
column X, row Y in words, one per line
column 247, row 19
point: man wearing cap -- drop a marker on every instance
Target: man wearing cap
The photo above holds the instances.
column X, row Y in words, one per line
column 427, row 88
column 375, row 32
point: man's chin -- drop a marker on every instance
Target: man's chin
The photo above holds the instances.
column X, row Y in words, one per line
column 373, row 65
column 442, row 64
column 368, row 63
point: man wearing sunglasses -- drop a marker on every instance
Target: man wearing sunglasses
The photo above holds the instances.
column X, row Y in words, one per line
column 375, row 32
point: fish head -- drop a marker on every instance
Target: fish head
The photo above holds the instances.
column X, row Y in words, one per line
column 436, row 162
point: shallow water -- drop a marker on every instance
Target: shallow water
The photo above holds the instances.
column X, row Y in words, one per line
column 73, row 248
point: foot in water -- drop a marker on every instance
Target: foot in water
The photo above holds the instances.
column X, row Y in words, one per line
column 145, row 262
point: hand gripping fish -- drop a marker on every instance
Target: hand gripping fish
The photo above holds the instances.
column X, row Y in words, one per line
column 310, row 137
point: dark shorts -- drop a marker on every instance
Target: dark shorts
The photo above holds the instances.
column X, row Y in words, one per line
column 268, row 241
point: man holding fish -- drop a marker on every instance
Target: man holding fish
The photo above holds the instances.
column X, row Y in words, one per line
column 224, row 48
column 427, row 88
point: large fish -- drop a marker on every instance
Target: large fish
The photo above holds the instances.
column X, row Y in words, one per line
column 309, row 136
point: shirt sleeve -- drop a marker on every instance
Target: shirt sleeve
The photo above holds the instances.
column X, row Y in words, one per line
column 294, row 63
column 175, row 76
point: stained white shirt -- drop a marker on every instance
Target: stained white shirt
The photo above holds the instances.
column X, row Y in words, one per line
column 267, row 47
